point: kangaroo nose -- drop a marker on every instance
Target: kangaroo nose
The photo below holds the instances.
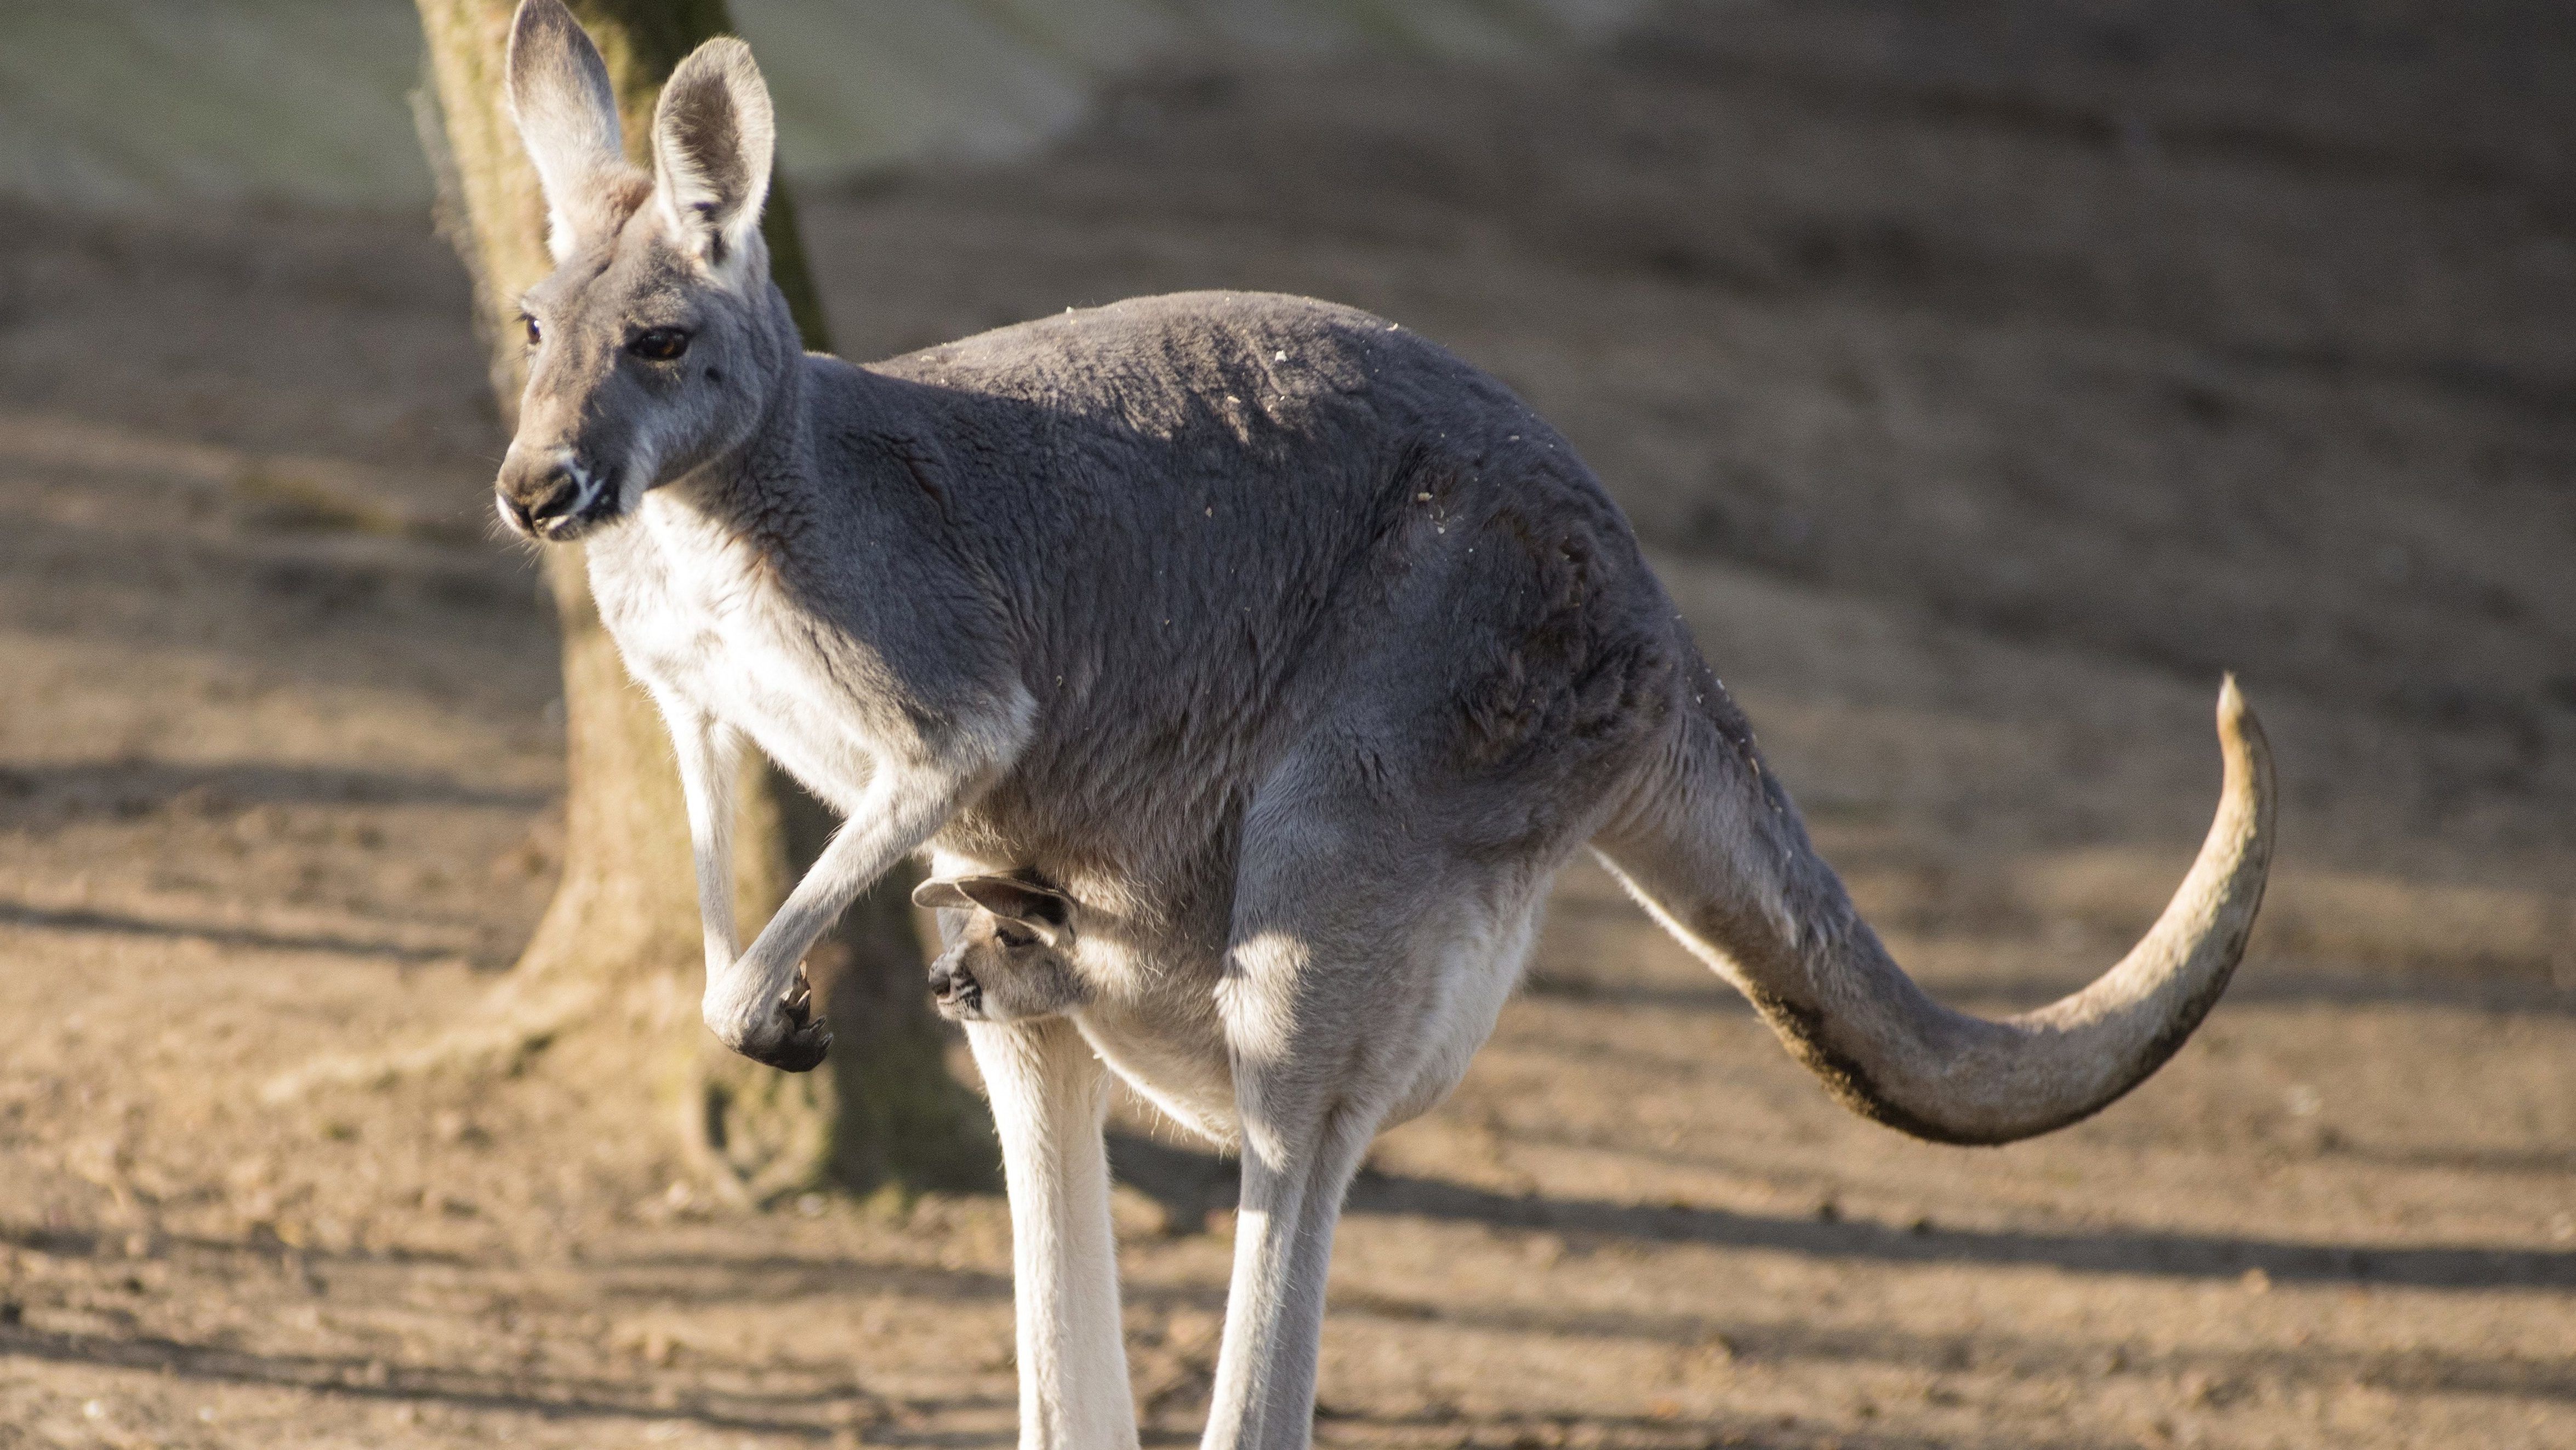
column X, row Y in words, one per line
column 536, row 492
column 555, row 494
column 947, row 984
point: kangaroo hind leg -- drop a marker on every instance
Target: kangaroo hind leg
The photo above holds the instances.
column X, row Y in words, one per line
column 1366, row 965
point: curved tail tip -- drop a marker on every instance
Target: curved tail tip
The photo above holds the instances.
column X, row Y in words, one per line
column 2247, row 754
column 2233, row 713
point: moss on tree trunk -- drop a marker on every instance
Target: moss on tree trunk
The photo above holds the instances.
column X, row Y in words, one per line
column 883, row 1111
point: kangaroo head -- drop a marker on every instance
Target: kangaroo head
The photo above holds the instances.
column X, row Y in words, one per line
column 1008, row 961
column 659, row 341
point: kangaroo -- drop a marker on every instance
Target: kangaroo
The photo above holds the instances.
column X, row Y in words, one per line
column 1298, row 651
column 1009, row 961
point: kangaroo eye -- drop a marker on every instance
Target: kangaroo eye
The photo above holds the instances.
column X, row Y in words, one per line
column 1012, row 936
column 662, row 344
column 535, row 334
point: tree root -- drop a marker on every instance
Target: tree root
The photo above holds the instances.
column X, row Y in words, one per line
column 751, row 1135
column 516, row 1025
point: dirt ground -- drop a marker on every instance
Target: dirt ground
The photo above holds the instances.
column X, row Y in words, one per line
column 1986, row 379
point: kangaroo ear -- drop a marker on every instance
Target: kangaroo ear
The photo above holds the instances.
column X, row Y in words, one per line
column 713, row 140
column 567, row 118
column 1042, row 909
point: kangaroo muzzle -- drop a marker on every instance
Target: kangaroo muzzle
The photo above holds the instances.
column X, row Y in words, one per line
column 551, row 494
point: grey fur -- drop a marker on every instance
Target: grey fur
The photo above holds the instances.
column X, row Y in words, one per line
column 1296, row 650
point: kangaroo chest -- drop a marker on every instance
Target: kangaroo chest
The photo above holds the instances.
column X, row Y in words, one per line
column 698, row 620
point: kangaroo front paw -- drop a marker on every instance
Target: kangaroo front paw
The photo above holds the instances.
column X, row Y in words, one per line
column 788, row 1036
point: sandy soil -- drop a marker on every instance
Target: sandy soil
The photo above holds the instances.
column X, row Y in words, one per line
column 1985, row 381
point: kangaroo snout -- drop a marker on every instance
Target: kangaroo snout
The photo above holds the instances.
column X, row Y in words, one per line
column 550, row 494
column 954, row 988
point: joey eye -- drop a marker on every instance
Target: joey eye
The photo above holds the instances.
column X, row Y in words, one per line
column 535, row 334
column 662, row 344
column 1012, row 936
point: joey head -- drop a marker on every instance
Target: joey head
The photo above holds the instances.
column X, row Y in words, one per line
column 1008, row 961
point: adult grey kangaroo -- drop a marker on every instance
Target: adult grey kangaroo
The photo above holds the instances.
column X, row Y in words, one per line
column 1288, row 652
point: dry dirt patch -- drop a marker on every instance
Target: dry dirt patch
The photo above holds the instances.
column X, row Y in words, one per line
column 1971, row 435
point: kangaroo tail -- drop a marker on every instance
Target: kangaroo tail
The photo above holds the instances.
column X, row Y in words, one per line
column 1712, row 847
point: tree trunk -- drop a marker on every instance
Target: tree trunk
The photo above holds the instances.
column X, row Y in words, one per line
column 624, row 920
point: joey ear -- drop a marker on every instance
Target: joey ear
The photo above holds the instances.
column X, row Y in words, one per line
column 566, row 113
column 714, row 138
column 1042, row 909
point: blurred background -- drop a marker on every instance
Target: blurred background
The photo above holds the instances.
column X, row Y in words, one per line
column 1983, row 378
